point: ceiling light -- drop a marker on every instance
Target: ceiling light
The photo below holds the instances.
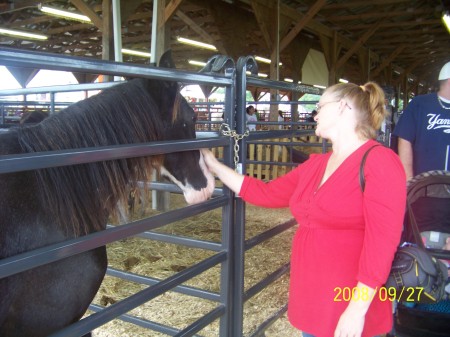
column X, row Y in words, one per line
column 25, row 35
column 136, row 53
column 259, row 74
column 343, row 80
column 64, row 14
column 265, row 60
column 289, row 80
column 319, row 86
column 446, row 20
column 262, row 59
column 196, row 43
column 197, row 63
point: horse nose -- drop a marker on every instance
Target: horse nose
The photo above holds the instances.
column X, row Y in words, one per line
column 193, row 195
column 196, row 188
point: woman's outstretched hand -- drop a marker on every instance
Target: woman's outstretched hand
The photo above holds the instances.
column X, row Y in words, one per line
column 227, row 175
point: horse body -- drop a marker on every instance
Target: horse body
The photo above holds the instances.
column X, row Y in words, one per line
column 48, row 206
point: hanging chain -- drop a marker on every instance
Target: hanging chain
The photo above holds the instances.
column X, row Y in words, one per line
column 226, row 131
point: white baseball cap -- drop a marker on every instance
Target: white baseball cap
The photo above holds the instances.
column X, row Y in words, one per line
column 445, row 72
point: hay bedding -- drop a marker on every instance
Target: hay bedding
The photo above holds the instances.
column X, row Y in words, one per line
column 161, row 260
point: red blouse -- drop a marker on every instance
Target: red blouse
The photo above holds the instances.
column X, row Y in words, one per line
column 343, row 236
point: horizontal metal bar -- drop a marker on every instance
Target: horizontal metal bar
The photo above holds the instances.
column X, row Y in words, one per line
column 144, row 323
column 266, row 281
column 259, row 332
column 202, row 322
column 275, row 134
column 257, row 239
column 29, row 59
column 185, row 241
column 171, row 187
column 207, row 134
column 272, row 163
column 55, row 89
column 203, row 104
column 38, row 257
column 288, row 143
column 149, row 281
column 109, row 313
column 303, row 88
column 39, row 160
column 36, row 103
column 439, row 253
column 279, row 102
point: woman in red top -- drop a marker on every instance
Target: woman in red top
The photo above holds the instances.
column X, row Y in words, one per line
column 346, row 240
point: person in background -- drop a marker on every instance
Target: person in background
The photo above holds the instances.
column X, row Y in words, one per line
column 251, row 117
column 423, row 130
column 311, row 119
column 280, row 119
column 343, row 249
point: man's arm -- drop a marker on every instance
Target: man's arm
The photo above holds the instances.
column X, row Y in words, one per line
column 405, row 152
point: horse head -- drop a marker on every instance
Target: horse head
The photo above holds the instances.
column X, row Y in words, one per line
column 179, row 123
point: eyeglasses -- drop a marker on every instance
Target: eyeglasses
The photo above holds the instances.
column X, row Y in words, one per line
column 320, row 106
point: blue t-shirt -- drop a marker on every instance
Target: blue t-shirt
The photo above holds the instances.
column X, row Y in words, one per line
column 426, row 125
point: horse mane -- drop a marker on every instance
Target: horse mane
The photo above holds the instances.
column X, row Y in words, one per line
column 83, row 196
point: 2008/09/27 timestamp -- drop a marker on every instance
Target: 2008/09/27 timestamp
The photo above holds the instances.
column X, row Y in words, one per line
column 408, row 294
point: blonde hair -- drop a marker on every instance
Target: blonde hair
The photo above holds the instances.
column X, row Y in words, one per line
column 368, row 102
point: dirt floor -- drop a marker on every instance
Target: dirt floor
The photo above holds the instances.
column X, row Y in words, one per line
column 161, row 260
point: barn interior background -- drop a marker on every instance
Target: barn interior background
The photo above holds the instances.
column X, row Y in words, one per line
column 401, row 44
column 398, row 43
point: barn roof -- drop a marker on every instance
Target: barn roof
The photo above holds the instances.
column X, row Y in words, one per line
column 391, row 41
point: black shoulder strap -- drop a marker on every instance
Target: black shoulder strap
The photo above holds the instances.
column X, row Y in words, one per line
column 362, row 179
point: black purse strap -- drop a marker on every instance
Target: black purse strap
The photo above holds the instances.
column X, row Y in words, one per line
column 362, row 179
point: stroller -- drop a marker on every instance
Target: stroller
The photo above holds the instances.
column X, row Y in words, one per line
column 429, row 196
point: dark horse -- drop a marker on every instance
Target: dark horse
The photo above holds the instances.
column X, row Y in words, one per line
column 47, row 206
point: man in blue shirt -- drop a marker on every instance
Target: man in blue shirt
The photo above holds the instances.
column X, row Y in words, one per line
column 424, row 130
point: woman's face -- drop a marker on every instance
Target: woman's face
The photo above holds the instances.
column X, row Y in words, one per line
column 327, row 115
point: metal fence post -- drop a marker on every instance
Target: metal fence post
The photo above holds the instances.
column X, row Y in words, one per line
column 243, row 64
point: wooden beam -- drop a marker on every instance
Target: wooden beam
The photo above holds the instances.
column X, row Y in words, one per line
column 363, row 61
column 234, row 25
column 397, row 24
column 417, row 41
column 388, row 60
column 70, row 28
column 200, row 31
column 331, row 50
column 89, row 12
column 302, row 23
column 363, row 3
column 107, row 36
column 30, row 21
column 374, row 15
column 129, row 9
column 170, row 9
column 18, row 5
column 298, row 51
column 161, row 32
column 262, row 19
column 407, row 71
column 357, row 45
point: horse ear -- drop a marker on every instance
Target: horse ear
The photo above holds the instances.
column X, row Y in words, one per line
column 166, row 60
